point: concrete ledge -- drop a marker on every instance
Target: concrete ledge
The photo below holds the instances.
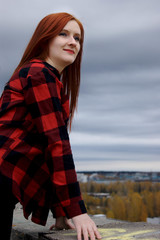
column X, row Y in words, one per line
column 113, row 231
column 23, row 229
column 110, row 230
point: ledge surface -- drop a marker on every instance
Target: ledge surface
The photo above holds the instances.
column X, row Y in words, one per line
column 109, row 229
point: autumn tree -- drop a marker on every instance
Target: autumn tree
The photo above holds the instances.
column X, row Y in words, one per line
column 116, row 208
column 132, row 201
column 136, row 210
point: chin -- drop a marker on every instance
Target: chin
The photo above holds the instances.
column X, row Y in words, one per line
column 69, row 62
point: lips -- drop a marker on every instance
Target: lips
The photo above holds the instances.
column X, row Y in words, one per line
column 69, row 51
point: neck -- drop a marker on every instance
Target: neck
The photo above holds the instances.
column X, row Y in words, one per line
column 58, row 67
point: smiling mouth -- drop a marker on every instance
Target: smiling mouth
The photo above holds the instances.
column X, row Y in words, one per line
column 69, row 51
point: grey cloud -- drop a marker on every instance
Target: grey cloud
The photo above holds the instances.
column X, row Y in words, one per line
column 120, row 85
column 134, row 50
column 122, row 103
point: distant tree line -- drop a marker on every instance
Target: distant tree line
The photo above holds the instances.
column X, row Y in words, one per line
column 131, row 201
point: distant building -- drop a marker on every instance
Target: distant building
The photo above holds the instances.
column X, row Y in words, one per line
column 107, row 177
column 100, row 195
column 81, row 177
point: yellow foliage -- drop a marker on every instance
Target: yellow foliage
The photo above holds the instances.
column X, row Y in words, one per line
column 131, row 201
column 110, row 214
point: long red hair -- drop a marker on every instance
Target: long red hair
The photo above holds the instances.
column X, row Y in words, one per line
column 49, row 27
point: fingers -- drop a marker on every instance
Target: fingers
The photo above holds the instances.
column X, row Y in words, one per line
column 96, row 232
column 56, row 227
column 51, row 227
column 86, row 227
column 91, row 234
column 69, row 224
column 87, row 232
column 79, row 234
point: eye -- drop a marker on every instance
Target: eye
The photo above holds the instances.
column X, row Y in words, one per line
column 77, row 38
column 62, row 34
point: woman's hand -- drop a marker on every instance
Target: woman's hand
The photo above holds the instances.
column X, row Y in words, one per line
column 85, row 226
column 62, row 223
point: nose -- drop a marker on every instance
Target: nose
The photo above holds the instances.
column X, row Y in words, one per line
column 72, row 41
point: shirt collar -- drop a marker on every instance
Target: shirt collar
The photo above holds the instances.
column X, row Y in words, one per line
column 53, row 69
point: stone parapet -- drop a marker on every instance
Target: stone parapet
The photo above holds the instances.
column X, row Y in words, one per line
column 110, row 229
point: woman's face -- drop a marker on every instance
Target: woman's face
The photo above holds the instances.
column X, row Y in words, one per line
column 64, row 48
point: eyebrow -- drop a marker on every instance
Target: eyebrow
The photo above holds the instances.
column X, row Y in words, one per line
column 78, row 34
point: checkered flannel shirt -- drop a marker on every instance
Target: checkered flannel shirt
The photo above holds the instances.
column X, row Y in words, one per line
column 35, row 150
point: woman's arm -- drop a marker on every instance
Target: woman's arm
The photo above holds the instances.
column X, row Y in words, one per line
column 42, row 97
column 42, row 94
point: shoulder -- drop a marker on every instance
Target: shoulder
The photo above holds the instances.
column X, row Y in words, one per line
column 37, row 70
column 31, row 68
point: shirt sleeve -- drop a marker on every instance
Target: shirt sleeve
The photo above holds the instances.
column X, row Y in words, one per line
column 58, row 211
column 42, row 95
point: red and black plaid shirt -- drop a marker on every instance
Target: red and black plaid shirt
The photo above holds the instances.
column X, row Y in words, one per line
column 34, row 143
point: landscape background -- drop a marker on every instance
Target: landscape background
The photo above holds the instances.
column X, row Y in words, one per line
column 133, row 201
column 117, row 124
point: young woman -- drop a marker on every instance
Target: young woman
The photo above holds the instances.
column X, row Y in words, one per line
column 36, row 108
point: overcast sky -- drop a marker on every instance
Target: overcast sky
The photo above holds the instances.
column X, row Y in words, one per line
column 117, row 126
